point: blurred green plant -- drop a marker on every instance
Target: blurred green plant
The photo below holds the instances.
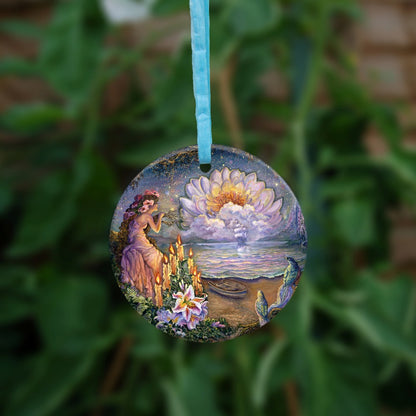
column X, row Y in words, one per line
column 70, row 344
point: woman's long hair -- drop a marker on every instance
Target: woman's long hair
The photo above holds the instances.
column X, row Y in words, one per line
column 132, row 212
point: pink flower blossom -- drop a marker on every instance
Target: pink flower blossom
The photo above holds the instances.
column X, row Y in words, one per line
column 189, row 306
column 152, row 192
column 149, row 202
column 194, row 320
column 144, row 209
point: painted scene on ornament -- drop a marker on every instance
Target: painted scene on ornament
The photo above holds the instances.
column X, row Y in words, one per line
column 208, row 256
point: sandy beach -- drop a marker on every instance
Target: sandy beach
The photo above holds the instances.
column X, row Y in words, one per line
column 241, row 311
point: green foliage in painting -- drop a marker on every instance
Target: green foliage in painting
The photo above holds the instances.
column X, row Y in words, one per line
column 205, row 330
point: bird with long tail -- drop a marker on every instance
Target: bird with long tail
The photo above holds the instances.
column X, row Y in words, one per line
column 291, row 277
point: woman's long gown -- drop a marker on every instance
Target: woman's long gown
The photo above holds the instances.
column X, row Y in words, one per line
column 141, row 260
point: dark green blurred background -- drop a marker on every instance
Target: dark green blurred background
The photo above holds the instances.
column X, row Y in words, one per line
column 85, row 105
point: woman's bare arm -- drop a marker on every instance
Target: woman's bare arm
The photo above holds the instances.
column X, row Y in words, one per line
column 150, row 221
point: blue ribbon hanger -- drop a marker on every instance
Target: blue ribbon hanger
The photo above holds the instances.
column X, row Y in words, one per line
column 201, row 76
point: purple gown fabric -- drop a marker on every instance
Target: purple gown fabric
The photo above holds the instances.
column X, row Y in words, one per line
column 141, row 260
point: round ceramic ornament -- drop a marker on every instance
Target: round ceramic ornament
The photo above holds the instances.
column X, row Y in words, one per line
column 208, row 256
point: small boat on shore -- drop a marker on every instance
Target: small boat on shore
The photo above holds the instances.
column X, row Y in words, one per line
column 228, row 287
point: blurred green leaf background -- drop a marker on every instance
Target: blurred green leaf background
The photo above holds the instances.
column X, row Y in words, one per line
column 97, row 102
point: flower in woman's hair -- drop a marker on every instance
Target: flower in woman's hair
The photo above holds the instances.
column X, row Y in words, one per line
column 144, row 209
column 151, row 192
column 138, row 197
column 127, row 215
column 149, row 202
column 134, row 205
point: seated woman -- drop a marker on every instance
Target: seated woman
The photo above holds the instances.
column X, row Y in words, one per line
column 141, row 261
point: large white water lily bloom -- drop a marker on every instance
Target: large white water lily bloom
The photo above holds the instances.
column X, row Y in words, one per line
column 230, row 205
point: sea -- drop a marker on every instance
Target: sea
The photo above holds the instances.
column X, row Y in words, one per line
column 247, row 262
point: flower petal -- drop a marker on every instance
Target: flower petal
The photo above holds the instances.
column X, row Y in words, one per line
column 225, row 174
column 192, row 323
column 250, row 178
column 189, row 293
column 179, row 320
column 179, row 307
column 235, row 176
column 178, row 295
column 275, row 207
column 201, row 205
column 215, row 189
column 200, row 300
column 204, row 184
column 190, row 190
column 255, row 188
column 186, row 313
column 239, row 188
column 195, row 308
column 226, row 186
column 189, row 206
column 197, row 185
column 216, row 177
column 265, row 200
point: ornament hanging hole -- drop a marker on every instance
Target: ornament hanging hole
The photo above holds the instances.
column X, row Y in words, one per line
column 205, row 167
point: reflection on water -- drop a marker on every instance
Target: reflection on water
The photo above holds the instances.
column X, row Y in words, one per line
column 260, row 259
